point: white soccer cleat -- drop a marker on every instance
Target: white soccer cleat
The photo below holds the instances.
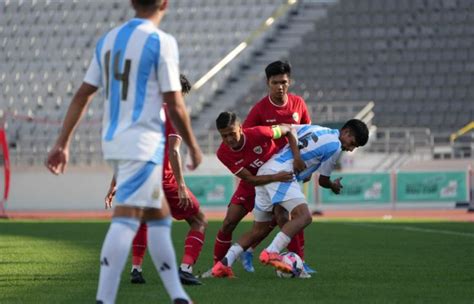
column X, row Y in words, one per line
column 206, row 275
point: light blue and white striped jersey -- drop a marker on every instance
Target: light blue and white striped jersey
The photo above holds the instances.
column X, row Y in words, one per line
column 134, row 64
column 320, row 148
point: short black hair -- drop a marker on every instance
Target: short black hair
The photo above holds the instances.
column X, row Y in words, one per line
column 278, row 68
column 147, row 4
column 359, row 129
column 226, row 119
column 185, row 84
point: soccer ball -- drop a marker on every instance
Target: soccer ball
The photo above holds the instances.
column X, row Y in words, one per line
column 294, row 261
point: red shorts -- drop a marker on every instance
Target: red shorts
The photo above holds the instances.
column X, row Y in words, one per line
column 178, row 213
column 244, row 195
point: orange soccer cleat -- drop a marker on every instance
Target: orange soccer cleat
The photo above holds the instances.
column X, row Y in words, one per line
column 274, row 259
column 219, row 270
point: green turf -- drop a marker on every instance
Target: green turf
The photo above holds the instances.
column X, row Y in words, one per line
column 357, row 262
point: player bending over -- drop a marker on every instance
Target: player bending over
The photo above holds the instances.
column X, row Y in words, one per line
column 243, row 151
column 319, row 148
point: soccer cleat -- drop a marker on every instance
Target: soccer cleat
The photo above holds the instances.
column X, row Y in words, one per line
column 304, row 275
column 136, row 277
column 308, row 269
column 247, row 261
column 219, row 270
column 188, row 278
column 206, row 275
column 274, row 259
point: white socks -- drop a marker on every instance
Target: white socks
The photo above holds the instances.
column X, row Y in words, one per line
column 186, row 268
column 233, row 252
column 163, row 256
column 280, row 241
column 137, row 267
column 113, row 256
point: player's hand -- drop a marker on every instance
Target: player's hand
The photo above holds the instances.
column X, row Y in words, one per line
column 110, row 197
column 336, row 185
column 57, row 159
column 184, row 198
column 298, row 165
column 196, row 158
column 283, row 176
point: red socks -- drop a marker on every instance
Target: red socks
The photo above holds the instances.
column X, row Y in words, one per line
column 221, row 245
column 192, row 247
column 296, row 244
column 139, row 245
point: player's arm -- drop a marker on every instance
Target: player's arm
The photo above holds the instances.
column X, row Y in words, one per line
column 174, row 143
column 111, row 193
column 180, row 119
column 59, row 155
column 259, row 180
column 335, row 186
column 290, row 133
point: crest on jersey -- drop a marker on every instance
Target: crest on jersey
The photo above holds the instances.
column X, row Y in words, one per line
column 296, row 117
column 156, row 193
column 258, row 150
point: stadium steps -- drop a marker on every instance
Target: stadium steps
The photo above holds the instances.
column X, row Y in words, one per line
column 283, row 37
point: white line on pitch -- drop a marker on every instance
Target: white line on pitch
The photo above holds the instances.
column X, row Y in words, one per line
column 415, row 229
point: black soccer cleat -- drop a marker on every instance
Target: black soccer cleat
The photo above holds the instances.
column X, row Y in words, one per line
column 136, row 277
column 188, row 278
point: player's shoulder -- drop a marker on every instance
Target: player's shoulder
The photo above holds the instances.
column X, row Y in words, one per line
column 222, row 151
column 165, row 37
column 263, row 102
column 296, row 99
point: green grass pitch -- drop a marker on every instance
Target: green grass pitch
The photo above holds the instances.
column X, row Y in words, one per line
column 357, row 262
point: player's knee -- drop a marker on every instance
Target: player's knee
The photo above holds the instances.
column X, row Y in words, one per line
column 307, row 219
column 198, row 222
column 228, row 226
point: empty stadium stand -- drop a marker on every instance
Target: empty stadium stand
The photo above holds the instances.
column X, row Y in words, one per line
column 413, row 58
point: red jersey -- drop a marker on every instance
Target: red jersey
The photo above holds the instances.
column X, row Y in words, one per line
column 168, row 175
column 266, row 113
column 258, row 147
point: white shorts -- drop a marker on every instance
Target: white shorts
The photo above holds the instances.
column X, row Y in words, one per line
column 138, row 183
column 287, row 194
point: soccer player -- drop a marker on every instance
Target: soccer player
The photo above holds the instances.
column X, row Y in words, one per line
column 183, row 205
column 278, row 107
column 243, row 151
column 137, row 66
column 319, row 148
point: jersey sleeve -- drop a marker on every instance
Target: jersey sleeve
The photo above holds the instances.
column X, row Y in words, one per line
column 328, row 166
column 168, row 65
column 252, row 119
column 265, row 132
column 305, row 117
column 93, row 75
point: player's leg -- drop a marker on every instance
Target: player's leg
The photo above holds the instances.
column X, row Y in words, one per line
column 143, row 187
column 115, row 251
column 138, row 253
column 192, row 247
column 223, row 268
column 235, row 213
column 300, row 218
column 162, row 251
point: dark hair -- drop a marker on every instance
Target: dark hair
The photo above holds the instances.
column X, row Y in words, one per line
column 359, row 129
column 278, row 68
column 147, row 4
column 185, row 84
column 226, row 119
